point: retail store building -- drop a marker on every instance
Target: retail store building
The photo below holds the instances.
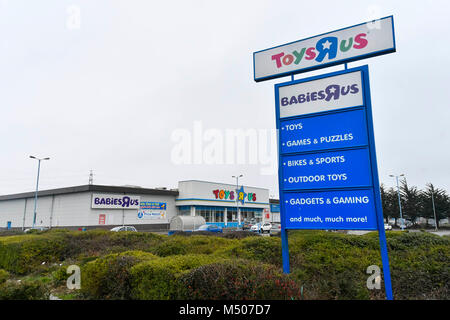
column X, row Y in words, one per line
column 99, row 206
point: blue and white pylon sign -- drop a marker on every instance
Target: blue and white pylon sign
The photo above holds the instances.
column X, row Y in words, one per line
column 328, row 176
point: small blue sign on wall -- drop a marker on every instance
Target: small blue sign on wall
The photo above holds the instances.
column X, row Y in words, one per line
column 274, row 208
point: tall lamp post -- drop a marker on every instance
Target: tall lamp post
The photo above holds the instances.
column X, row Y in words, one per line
column 237, row 198
column 37, row 186
column 434, row 210
column 399, row 201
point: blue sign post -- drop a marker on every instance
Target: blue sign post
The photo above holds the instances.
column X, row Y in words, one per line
column 328, row 176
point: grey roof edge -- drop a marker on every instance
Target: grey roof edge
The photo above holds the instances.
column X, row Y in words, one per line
column 89, row 188
column 229, row 184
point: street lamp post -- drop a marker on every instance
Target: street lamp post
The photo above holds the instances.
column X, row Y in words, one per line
column 237, row 198
column 434, row 210
column 399, row 199
column 37, row 186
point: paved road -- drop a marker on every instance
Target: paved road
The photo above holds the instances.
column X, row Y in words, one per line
column 441, row 232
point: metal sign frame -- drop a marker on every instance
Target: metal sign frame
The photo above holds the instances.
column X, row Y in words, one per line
column 367, row 106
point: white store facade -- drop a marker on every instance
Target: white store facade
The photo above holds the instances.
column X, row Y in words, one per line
column 216, row 202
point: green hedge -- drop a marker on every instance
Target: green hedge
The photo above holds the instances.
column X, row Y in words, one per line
column 158, row 279
column 264, row 249
column 24, row 290
column 198, row 244
column 333, row 265
column 23, row 254
column 108, row 277
column 238, row 280
column 326, row 265
column 4, row 275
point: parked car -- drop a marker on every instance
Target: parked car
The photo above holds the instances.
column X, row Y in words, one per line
column 276, row 228
column 35, row 228
column 256, row 227
column 387, row 226
column 124, row 228
column 265, row 228
column 209, row 228
column 261, row 227
column 247, row 225
column 403, row 223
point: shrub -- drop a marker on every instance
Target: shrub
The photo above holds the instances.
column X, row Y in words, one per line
column 4, row 275
column 239, row 234
column 22, row 254
column 197, row 244
column 24, row 290
column 158, row 279
column 408, row 240
column 171, row 247
column 264, row 249
column 108, row 277
column 60, row 275
column 99, row 242
column 333, row 266
column 238, row 280
column 235, row 234
column 418, row 284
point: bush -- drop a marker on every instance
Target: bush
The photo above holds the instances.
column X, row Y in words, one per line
column 328, row 265
column 333, row 266
column 108, row 277
column 171, row 247
column 239, row 234
column 419, row 285
column 4, row 275
column 60, row 275
column 408, row 240
column 24, row 290
column 235, row 234
column 197, row 244
column 238, row 280
column 158, row 279
column 264, row 249
column 22, row 254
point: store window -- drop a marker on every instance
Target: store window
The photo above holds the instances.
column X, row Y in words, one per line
column 219, row 212
column 184, row 210
column 211, row 214
column 231, row 214
column 202, row 211
column 251, row 214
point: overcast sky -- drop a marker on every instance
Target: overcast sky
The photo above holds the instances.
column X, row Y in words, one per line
column 105, row 86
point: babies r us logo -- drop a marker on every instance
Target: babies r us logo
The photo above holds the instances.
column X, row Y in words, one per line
column 327, row 46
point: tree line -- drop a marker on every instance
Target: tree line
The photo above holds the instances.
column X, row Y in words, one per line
column 415, row 203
